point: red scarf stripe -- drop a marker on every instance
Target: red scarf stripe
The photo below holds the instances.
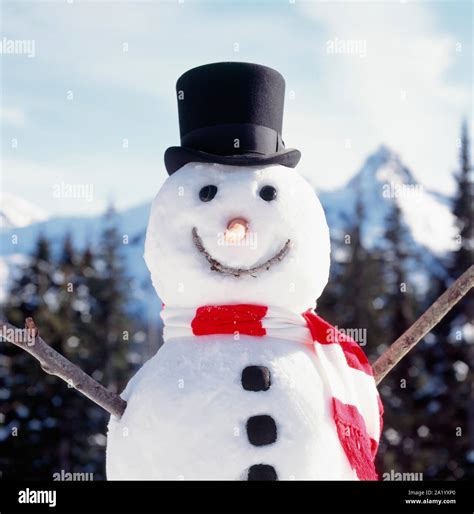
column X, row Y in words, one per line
column 324, row 333
column 358, row 446
column 229, row 319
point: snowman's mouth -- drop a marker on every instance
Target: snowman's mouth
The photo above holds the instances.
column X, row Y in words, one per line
column 238, row 272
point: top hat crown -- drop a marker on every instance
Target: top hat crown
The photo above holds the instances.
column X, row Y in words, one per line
column 231, row 113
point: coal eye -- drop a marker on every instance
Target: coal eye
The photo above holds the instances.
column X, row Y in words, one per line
column 207, row 193
column 268, row 193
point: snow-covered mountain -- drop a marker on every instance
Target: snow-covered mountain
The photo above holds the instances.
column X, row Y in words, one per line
column 382, row 180
column 16, row 212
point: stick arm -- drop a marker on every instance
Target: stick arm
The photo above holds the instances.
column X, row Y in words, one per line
column 396, row 351
column 54, row 363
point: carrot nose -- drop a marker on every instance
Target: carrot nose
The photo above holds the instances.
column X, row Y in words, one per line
column 236, row 230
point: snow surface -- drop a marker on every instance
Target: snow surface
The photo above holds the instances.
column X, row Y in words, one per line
column 16, row 212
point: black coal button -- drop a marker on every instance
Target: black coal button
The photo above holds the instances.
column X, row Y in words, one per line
column 256, row 378
column 262, row 472
column 261, row 430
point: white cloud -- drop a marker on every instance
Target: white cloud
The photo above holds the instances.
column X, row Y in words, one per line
column 399, row 93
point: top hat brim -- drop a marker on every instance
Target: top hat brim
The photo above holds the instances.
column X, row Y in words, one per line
column 177, row 156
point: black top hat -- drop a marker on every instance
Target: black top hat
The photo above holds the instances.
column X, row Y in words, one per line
column 231, row 113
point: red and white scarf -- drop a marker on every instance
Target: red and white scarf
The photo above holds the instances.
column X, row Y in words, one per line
column 355, row 402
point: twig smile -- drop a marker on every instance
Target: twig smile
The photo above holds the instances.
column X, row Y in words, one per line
column 238, row 272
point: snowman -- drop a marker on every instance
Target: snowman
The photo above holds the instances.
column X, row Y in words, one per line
column 250, row 383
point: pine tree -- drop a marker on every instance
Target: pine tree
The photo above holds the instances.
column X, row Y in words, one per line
column 463, row 209
column 79, row 432
column 454, row 352
column 440, row 384
column 33, row 413
column 78, row 301
column 401, row 305
column 398, row 389
column 100, row 339
column 354, row 275
column 109, row 287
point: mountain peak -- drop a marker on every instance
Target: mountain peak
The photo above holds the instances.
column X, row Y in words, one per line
column 382, row 182
column 385, row 153
column 382, row 166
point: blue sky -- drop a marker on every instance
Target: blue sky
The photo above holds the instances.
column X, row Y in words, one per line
column 358, row 74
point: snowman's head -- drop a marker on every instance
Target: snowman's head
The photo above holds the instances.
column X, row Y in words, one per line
column 222, row 234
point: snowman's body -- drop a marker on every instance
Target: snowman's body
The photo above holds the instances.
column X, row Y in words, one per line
column 188, row 412
column 189, row 407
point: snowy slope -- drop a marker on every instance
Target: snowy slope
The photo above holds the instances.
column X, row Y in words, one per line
column 382, row 180
column 17, row 212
